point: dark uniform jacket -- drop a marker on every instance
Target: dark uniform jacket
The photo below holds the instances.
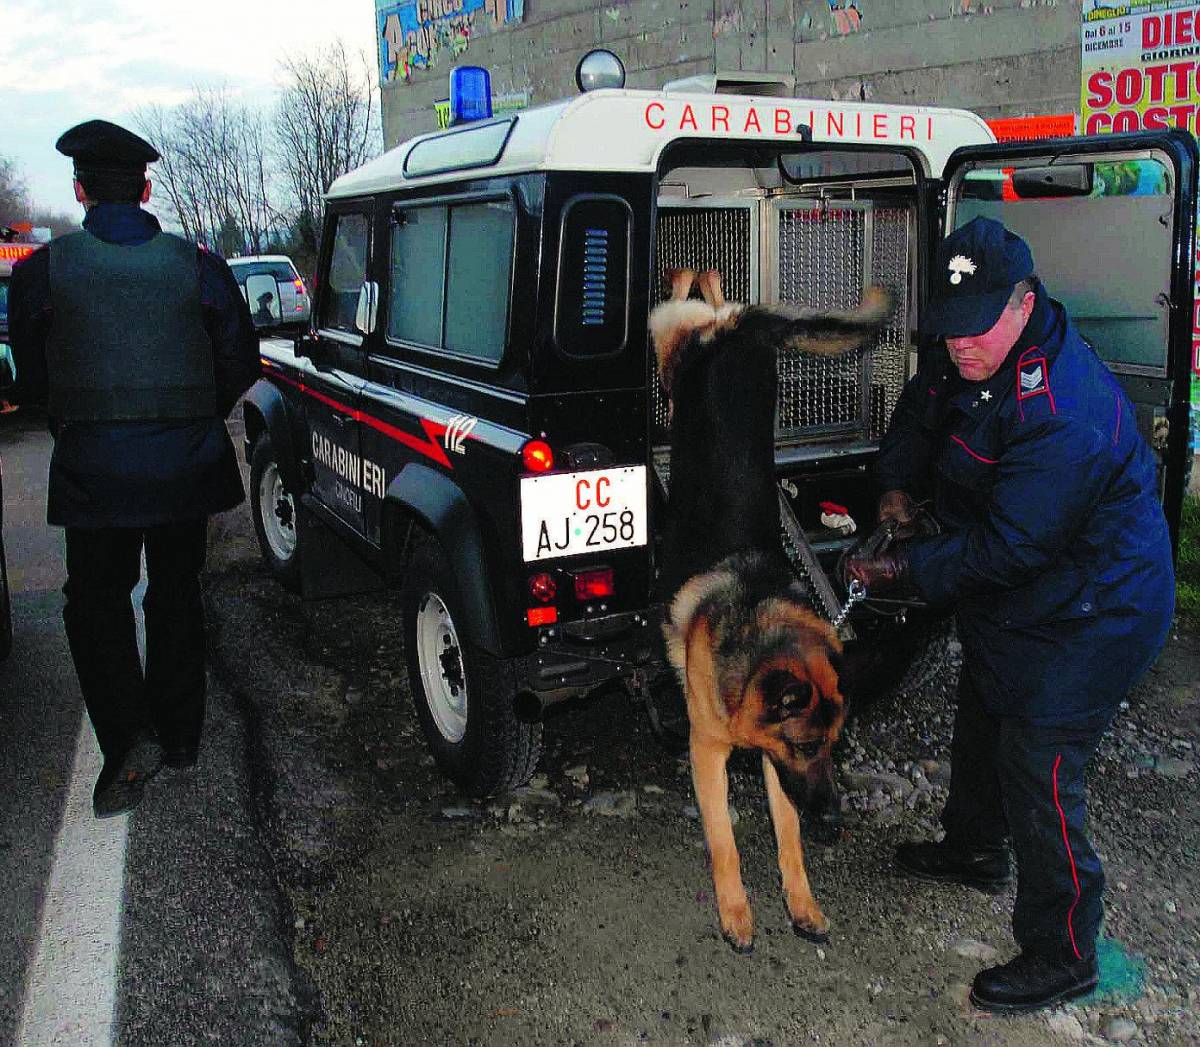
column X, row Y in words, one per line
column 1055, row 551
column 137, row 473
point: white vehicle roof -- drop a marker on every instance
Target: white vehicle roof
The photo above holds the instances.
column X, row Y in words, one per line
column 626, row 131
column 260, row 258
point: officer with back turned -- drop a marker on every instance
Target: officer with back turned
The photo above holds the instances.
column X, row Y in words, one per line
column 139, row 344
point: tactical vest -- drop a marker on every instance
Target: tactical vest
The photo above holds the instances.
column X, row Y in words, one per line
column 127, row 341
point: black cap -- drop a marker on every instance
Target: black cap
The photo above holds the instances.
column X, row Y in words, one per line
column 98, row 146
column 977, row 267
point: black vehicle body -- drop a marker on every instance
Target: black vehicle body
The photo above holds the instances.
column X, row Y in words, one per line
column 388, row 427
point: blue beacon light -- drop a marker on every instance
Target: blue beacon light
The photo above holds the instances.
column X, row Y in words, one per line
column 470, row 94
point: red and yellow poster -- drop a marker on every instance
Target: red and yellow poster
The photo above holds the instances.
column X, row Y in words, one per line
column 1141, row 70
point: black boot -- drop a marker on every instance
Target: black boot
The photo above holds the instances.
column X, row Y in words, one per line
column 1032, row 981
column 119, row 787
column 984, row 868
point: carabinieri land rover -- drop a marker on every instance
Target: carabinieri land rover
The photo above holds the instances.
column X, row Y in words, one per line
column 474, row 415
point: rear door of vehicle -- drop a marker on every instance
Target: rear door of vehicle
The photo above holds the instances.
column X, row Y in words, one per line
column 1111, row 223
column 333, row 374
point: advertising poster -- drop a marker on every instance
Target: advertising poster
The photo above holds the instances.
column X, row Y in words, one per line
column 1140, row 71
column 416, row 34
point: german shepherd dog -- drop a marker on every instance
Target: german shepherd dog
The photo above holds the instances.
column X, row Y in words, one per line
column 756, row 664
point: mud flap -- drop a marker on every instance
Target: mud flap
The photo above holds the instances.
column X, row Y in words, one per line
column 329, row 567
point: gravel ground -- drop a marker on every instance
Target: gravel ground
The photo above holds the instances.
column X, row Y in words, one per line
column 579, row 910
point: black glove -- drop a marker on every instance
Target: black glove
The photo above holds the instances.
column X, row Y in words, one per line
column 881, row 574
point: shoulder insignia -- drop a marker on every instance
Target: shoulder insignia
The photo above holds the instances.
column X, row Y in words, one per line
column 1033, row 379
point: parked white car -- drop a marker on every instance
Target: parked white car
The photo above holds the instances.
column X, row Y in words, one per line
column 293, row 306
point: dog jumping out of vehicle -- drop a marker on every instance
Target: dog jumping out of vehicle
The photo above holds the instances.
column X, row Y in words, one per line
column 756, row 664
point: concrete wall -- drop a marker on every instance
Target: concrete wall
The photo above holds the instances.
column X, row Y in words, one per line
column 1010, row 58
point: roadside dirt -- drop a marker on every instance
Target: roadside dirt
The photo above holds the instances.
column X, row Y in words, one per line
column 580, row 911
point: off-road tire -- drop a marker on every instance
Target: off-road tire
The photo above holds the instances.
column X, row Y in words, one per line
column 495, row 751
column 286, row 569
column 889, row 666
column 6, row 627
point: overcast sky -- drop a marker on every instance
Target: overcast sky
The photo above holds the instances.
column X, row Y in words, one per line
column 65, row 61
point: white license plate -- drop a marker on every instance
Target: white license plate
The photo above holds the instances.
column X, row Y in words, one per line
column 568, row 514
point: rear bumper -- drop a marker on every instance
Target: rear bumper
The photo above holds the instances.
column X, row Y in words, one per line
column 577, row 656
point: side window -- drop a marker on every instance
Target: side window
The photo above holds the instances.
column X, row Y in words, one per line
column 591, row 309
column 347, row 271
column 451, row 272
column 478, row 279
column 418, row 274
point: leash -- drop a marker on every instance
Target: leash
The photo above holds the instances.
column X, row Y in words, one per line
column 856, row 592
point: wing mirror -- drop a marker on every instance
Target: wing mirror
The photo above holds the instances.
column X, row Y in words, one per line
column 262, row 294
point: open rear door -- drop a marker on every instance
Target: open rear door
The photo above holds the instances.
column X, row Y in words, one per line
column 1111, row 223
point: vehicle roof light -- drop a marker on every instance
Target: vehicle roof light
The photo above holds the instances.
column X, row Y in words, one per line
column 470, row 94
column 599, row 68
column 537, row 457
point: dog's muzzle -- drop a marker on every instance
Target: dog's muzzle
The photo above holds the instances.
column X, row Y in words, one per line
column 815, row 794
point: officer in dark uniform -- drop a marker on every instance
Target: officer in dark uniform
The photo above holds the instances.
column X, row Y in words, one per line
column 139, row 344
column 1056, row 556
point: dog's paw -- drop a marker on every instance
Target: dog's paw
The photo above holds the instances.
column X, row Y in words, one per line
column 737, row 927
column 808, row 921
column 811, row 934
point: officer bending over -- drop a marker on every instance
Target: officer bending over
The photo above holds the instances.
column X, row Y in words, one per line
column 139, row 344
column 1056, row 556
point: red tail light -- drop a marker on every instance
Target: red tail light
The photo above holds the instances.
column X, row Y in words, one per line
column 593, row 585
column 542, row 615
column 537, row 457
column 298, row 284
column 542, row 587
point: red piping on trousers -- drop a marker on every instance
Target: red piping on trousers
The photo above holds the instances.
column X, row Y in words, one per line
column 978, row 457
column 1070, row 857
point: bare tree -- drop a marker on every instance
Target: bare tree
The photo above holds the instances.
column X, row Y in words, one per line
column 214, row 170
column 326, row 123
column 14, row 193
column 17, row 204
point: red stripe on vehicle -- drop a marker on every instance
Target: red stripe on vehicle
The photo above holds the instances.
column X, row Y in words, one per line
column 974, row 454
column 430, row 446
column 1070, row 857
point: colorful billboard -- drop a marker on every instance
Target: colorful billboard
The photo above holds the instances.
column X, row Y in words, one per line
column 416, row 34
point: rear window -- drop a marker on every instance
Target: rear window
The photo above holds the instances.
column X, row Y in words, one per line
column 279, row 270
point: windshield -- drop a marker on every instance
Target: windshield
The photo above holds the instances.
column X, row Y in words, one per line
column 279, row 270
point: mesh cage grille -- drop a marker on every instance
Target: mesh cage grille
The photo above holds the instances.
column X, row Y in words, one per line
column 820, row 265
column 823, row 251
column 889, row 358
column 700, row 238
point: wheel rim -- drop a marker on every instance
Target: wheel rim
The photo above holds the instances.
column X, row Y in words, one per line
column 278, row 513
column 440, row 664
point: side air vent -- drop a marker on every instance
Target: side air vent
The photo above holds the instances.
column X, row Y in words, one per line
column 590, row 317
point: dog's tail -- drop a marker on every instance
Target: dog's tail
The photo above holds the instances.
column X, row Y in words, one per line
column 828, row 333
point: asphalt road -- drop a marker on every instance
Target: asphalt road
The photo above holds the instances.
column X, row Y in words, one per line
column 200, row 949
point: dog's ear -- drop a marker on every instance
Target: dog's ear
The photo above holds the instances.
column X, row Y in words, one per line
column 829, row 333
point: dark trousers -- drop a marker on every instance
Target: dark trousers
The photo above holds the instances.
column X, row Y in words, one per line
column 1014, row 779
column 103, row 566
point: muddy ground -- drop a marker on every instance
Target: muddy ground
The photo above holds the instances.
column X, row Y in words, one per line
column 580, row 911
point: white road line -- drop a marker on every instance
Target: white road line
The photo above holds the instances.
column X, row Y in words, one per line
column 71, row 990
